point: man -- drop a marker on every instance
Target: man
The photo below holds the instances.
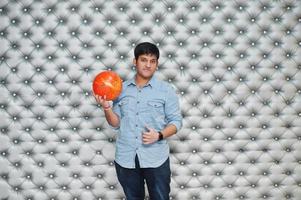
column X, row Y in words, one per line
column 145, row 114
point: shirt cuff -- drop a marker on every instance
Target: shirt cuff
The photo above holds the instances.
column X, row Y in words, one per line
column 178, row 125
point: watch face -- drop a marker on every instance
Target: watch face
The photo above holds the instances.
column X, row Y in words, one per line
column 160, row 136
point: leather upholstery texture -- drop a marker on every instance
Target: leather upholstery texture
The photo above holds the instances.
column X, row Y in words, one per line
column 234, row 64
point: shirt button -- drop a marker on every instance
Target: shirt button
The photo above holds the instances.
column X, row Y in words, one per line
column 136, row 125
column 139, row 90
column 138, row 101
column 137, row 113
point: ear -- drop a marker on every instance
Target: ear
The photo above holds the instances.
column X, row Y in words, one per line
column 134, row 61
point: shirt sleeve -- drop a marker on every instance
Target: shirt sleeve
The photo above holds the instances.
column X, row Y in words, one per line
column 172, row 109
column 116, row 108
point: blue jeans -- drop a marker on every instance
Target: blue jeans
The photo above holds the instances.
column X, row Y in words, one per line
column 157, row 181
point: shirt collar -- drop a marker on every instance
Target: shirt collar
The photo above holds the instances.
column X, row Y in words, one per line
column 152, row 82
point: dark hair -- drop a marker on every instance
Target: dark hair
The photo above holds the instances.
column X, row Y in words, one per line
column 146, row 48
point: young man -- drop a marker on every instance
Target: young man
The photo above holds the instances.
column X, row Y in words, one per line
column 145, row 114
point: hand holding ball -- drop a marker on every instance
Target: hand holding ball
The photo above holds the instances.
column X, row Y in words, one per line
column 107, row 85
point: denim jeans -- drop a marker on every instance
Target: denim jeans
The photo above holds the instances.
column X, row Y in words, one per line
column 157, row 181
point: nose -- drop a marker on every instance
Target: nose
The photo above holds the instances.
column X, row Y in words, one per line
column 148, row 64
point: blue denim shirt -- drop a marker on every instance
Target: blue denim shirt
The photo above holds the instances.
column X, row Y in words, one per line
column 156, row 105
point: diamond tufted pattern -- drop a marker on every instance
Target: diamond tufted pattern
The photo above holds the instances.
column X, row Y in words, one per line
column 235, row 64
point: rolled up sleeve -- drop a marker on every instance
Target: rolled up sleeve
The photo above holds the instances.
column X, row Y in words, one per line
column 172, row 109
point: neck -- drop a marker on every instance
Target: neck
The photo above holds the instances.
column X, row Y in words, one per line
column 140, row 81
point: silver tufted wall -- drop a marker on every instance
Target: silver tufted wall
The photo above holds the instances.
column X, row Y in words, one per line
column 235, row 64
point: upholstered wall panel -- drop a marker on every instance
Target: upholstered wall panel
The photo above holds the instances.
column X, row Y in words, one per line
column 235, row 65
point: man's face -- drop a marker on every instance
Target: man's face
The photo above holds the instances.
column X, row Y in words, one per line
column 146, row 65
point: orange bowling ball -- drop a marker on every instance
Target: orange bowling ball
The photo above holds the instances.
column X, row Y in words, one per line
column 107, row 84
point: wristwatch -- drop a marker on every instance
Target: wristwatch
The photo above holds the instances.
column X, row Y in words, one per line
column 160, row 136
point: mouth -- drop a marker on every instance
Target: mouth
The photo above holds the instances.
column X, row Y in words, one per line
column 147, row 69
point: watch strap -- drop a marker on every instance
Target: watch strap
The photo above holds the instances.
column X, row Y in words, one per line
column 160, row 136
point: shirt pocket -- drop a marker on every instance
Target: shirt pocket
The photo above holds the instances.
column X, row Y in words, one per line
column 157, row 109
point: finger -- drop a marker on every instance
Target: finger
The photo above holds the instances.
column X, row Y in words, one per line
column 96, row 98
column 146, row 141
column 99, row 98
column 148, row 128
column 145, row 137
column 147, row 134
